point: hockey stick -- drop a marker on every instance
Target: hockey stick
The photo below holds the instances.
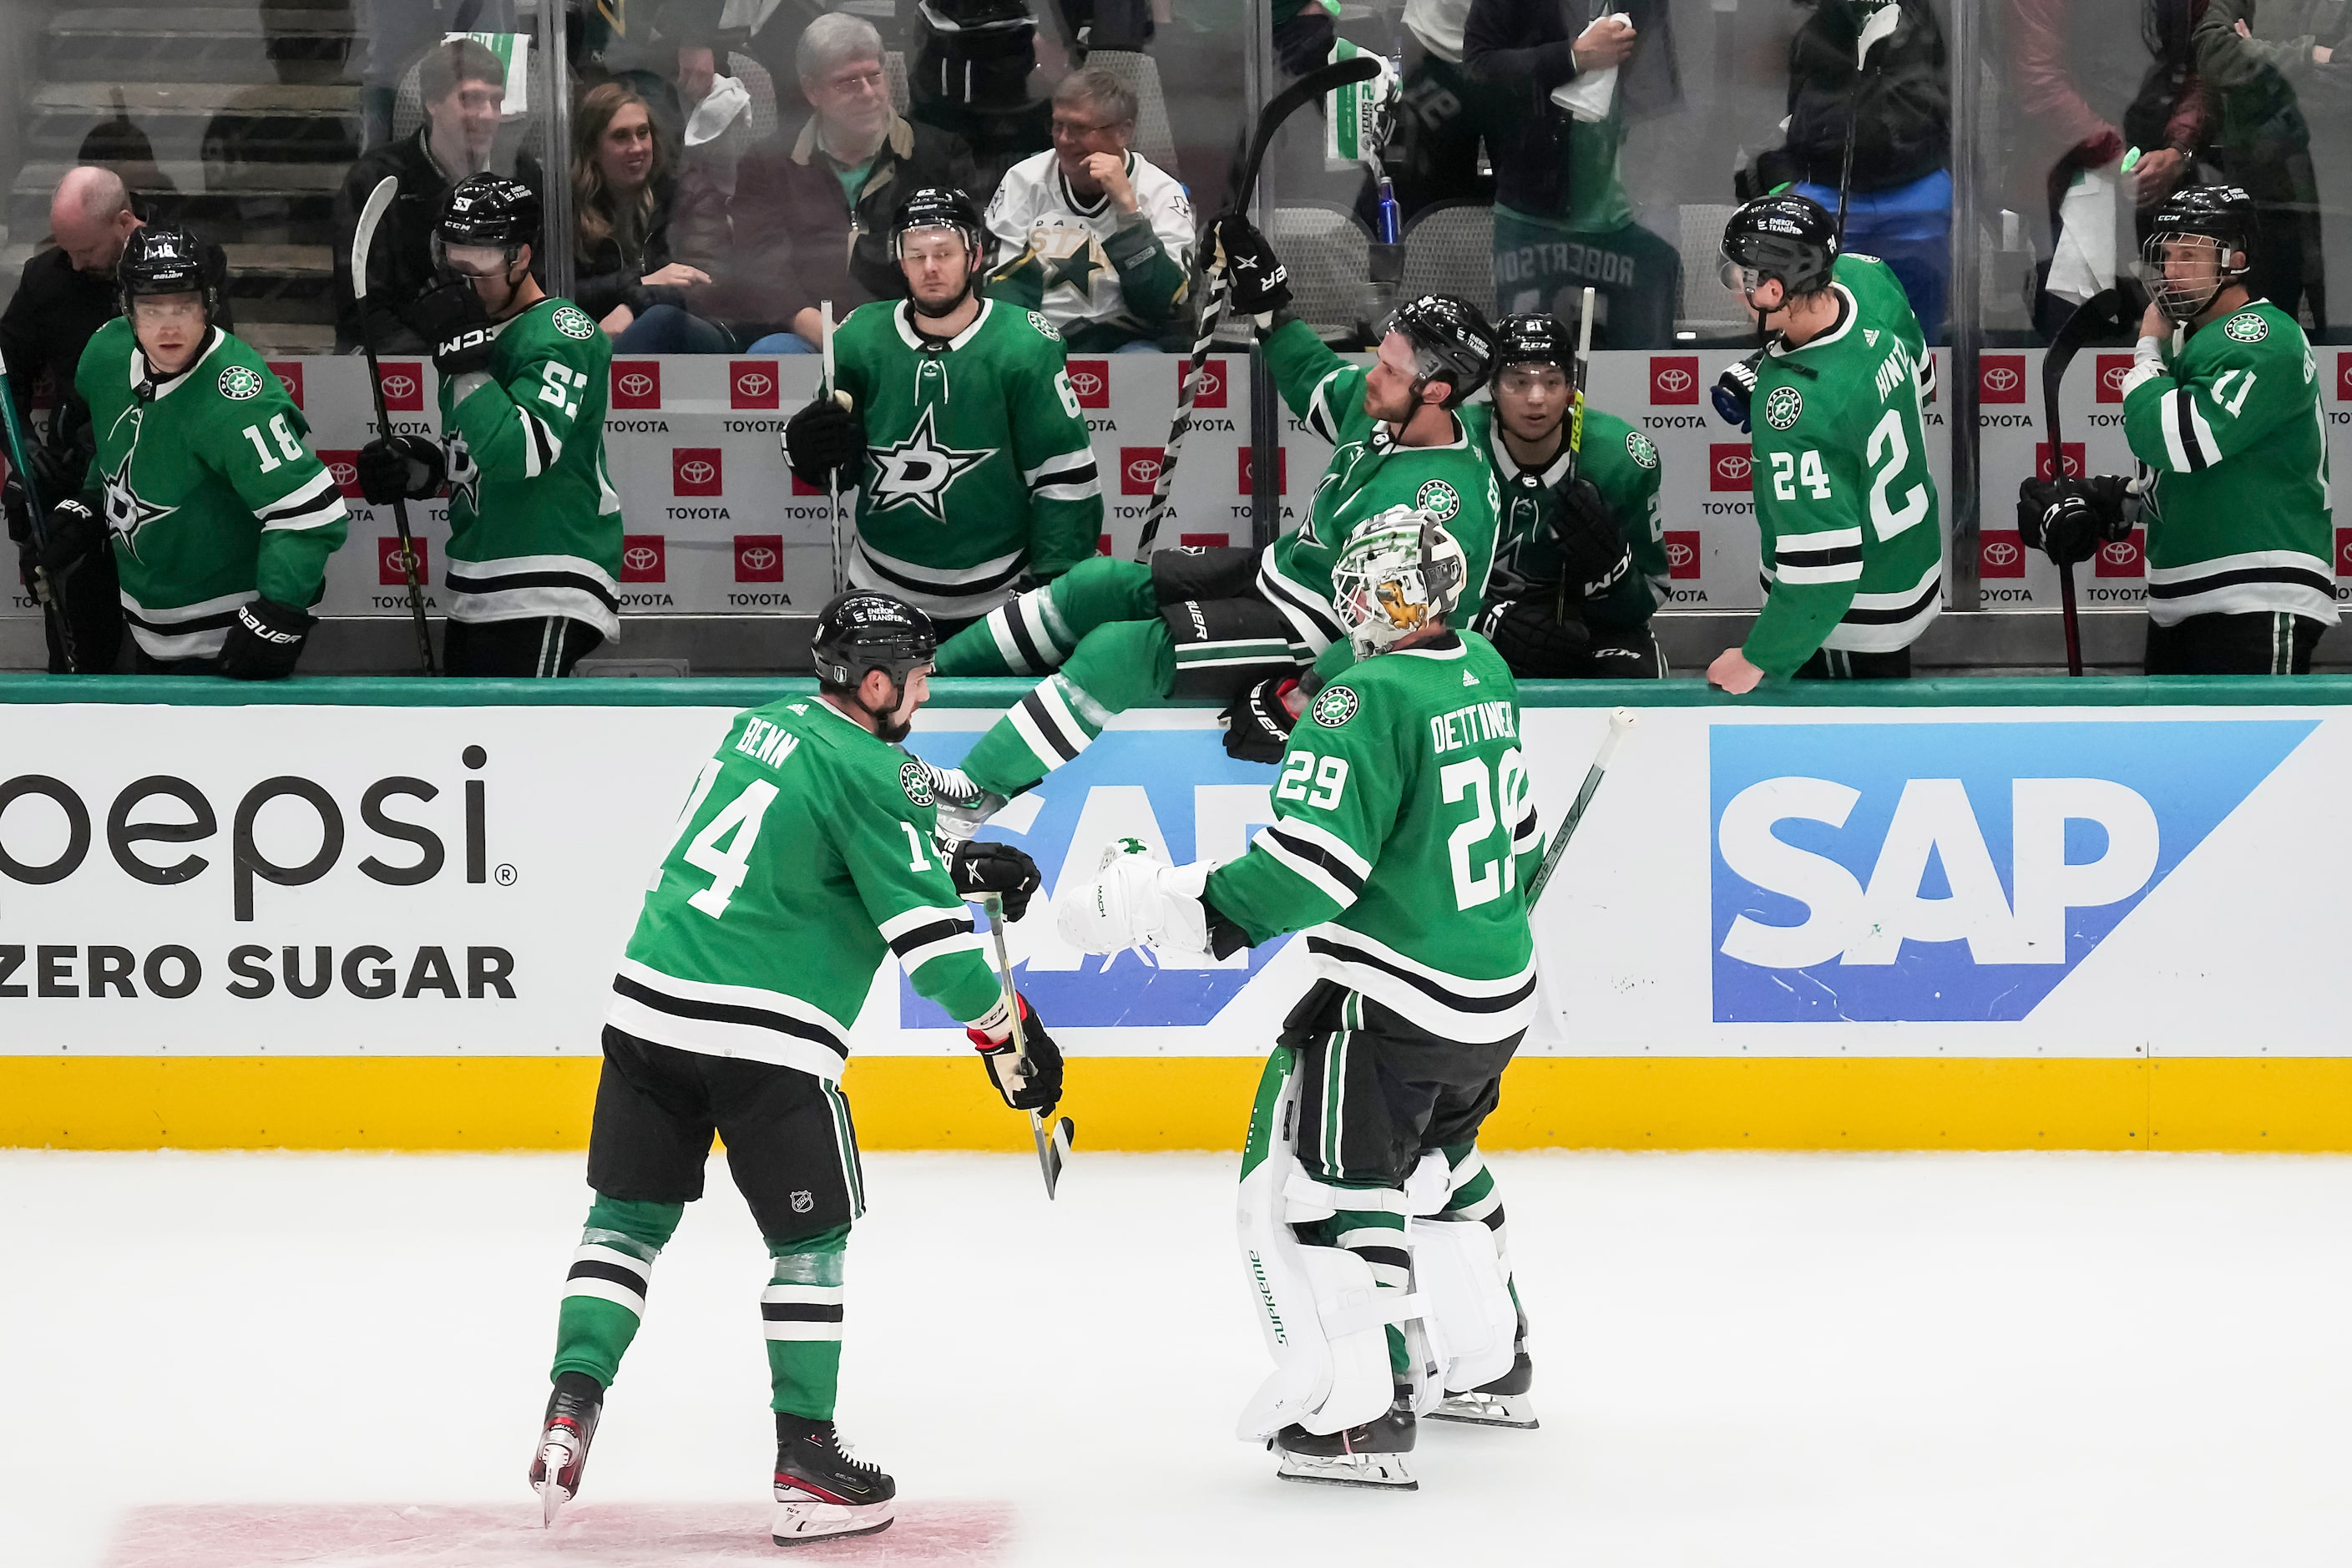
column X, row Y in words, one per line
column 2101, row 310
column 379, row 202
column 37, row 517
column 833, row 478
column 1882, row 22
column 1053, row 1148
column 1620, row 723
column 1209, row 279
column 1576, row 415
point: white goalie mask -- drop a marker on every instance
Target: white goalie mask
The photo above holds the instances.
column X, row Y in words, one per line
column 1397, row 573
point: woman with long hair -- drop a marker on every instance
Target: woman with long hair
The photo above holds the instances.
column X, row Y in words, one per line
column 624, row 185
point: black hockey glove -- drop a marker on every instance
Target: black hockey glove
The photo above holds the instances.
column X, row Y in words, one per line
column 263, row 640
column 1734, row 389
column 1256, row 283
column 979, row 867
column 1534, row 642
column 822, row 440
column 1258, row 721
column 1593, row 553
column 76, row 533
column 400, row 467
column 1041, row 1088
column 452, row 319
column 2068, row 520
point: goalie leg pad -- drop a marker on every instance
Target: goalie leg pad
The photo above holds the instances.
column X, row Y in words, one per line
column 1474, row 1324
column 1224, row 644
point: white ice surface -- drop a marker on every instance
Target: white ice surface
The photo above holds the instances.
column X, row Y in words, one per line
column 1750, row 1360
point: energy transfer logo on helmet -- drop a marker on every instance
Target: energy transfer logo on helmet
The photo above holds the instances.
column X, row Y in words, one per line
column 1782, row 405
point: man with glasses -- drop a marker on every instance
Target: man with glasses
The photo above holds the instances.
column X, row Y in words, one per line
column 534, row 524
column 221, row 520
column 1099, row 239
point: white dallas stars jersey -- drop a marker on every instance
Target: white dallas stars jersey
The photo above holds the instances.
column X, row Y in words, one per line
column 1101, row 278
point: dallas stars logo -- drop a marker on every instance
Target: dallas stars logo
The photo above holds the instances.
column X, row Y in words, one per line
column 464, row 475
column 919, row 470
column 126, row 514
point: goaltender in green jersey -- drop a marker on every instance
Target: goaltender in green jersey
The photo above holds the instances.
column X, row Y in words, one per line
column 1402, row 839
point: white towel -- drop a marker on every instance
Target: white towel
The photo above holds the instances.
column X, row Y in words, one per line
column 2086, row 259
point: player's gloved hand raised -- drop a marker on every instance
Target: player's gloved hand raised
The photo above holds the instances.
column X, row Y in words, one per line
column 450, row 317
column 824, row 443
column 1256, row 283
column 1533, row 641
column 1735, row 389
column 263, row 640
column 1258, row 721
column 1593, row 553
column 979, row 867
column 1039, row 1088
column 400, row 467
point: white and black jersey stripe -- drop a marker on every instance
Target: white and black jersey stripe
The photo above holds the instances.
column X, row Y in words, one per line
column 313, row 505
column 1527, row 833
column 1048, row 721
column 606, row 1270
column 2255, row 581
column 952, row 593
column 1883, row 623
column 542, row 448
column 1029, row 633
column 2189, row 443
column 1320, row 418
column 714, row 1020
column 790, row 1310
column 1309, row 614
column 1318, row 856
column 921, row 935
column 185, row 631
column 1831, row 555
column 525, row 587
column 1453, row 1006
column 1072, row 475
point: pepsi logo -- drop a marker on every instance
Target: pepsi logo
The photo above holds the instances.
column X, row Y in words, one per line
column 1143, row 470
column 757, row 558
column 345, row 475
column 1733, row 467
column 2000, row 553
column 1086, row 384
column 398, row 384
column 1680, row 554
column 2119, row 552
column 637, row 383
column 640, row 558
column 755, row 383
column 2000, row 378
column 1673, row 378
column 695, row 471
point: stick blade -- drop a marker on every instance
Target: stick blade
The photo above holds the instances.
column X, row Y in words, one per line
column 379, row 202
column 1052, row 1149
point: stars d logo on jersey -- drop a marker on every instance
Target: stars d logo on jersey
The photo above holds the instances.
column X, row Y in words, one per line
column 1782, row 405
column 1438, row 498
column 1335, row 705
column 240, row 384
column 464, row 474
column 916, row 780
column 574, row 323
column 1639, row 448
column 126, row 514
column 919, row 469
column 2246, row 327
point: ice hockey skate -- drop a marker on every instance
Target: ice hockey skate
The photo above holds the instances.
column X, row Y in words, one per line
column 821, row 1492
column 1371, row 1454
column 1505, row 1402
column 964, row 806
column 569, row 1427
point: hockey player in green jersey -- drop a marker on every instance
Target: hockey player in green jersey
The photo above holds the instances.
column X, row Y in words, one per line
column 1240, row 623
column 954, row 421
column 534, row 523
column 803, row 857
column 222, row 521
column 1852, row 544
column 2222, row 408
column 1403, row 840
column 1579, row 564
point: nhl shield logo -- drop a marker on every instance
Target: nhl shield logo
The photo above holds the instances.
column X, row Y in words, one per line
column 916, row 780
column 240, row 384
column 1438, row 499
column 803, row 1201
column 574, row 323
column 1335, row 706
column 2246, row 327
column 1782, row 406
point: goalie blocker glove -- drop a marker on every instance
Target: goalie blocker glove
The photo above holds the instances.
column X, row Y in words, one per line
column 1040, row 1089
column 263, row 640
column 982, row 869
column 1256, row 283
column 2068, row 520
column 400, row 467
column 824, row 443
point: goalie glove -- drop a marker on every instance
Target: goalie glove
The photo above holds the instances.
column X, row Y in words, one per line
column 982, row 867
column 1040, row 1088
column 1138, row 900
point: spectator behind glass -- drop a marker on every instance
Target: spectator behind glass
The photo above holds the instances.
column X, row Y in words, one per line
column 2073, row 64
column 1562, row 219
column 811, row 212
column 463, row 88
column 396, row 32
column 2262, row 139
column 1099, row 238
column 716, row 114
column 1900, row 207
column 624, row 185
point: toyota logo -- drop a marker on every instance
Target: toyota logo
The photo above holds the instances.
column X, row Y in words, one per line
column 1673, row 378
column 2120, row 552
column 285, row 380
column 1735, row 467
column 1144, row 470
column 757, row 558
column 637, row 383
column 2346, row 552
column 1680, row 554
column 1086, row 384
column 1999, row 553
column 397, row 560
column 2115, row 376
column 2000, row 378
column 399, row 385
column 698, row 472
column 345, row 473
column 752, row 384
column 640, row 557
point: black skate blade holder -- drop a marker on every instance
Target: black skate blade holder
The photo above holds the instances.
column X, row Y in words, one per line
column 1053, row 1146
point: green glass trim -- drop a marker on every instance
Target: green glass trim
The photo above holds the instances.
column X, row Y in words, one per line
column 749, row 691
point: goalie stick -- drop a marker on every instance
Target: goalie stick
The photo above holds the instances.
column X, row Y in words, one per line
column 1053, row 1147
column 379, row 202
column 1621, row 724
column 2101, row 310
column 1209, row 279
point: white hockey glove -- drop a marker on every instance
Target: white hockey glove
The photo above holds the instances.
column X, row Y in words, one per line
column 1138, row 900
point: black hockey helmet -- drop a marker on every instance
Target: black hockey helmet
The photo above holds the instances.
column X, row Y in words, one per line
column 1784, row 236
column 2223, row 217
column 488, row 210
column 1533, row 338
column 938, row 207
column 863, row 630
column 164, row 261
column 1451, row 342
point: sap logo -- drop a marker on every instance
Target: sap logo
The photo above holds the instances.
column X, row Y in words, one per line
column 1921, row 872
column 1176, row 791
column 751, row 385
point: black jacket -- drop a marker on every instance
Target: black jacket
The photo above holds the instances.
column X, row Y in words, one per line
column 1525, row 49
column 606, row 274
column 400, row 262
column 1903, row 128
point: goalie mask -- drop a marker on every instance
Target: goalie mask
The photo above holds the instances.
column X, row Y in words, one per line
column 1398, row 573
